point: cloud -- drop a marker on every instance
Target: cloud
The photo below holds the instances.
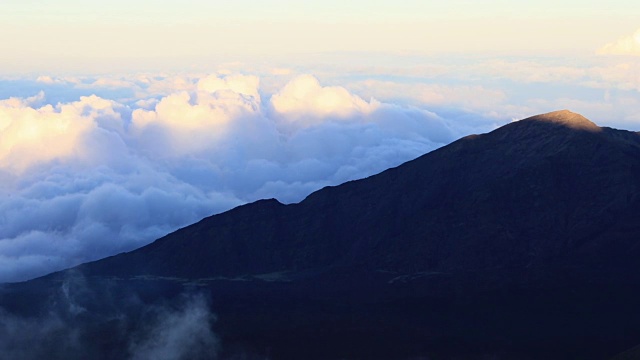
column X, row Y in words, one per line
column 46, row 79
column 239, row 84
column 627, row 45
column 30, row 339
column 528, row 71
column 623, row 76
column 463, row 96
column 53, row 333
column 30, row 135
column 91, row 177
column 179, row 328
column 304, row 100
column 184, row 333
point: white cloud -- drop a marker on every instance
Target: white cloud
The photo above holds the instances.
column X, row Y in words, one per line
column 111, row 83
column 305, row 101
column 627, row 45
column 185, row 123
column 240, row 84
column 167, row 84
column 29, row 136
column 46, row 79
column 623, row 76
column 92, row 177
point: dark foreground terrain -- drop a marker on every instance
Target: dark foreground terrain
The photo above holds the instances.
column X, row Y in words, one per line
column 522, row 243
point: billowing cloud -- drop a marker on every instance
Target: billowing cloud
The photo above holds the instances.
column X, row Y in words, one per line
column 627, row 45
column 29, row 136
column 97, row 175
column 187, row 122
column 46, row 79
column 304, row 100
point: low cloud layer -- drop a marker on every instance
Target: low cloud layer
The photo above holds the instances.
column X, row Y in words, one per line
column 100, row 174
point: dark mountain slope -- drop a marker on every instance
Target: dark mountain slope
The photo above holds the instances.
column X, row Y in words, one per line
column 517, row 244
column 551, row 190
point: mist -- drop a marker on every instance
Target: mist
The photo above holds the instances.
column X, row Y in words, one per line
column 80, row 321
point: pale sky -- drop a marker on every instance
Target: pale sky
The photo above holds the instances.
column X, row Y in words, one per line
column 66, row 34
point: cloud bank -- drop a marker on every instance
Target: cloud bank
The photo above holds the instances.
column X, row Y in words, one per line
column 109, row 172
column 627, row 45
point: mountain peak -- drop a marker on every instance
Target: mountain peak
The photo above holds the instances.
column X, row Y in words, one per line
column 566, row 118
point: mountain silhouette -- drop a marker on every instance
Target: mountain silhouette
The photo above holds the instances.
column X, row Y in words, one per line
column 551, row 190
column 522, row 243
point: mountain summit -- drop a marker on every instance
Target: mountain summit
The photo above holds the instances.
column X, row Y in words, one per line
column 566, row 118
column 521, row 243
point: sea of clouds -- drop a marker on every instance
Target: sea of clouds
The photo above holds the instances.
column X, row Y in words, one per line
column 91, row 166
column 86, row 176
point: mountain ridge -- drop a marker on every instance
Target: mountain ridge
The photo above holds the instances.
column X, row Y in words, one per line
column 531, row 147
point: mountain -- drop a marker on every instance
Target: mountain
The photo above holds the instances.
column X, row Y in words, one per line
column 550, row 190
column 521, row 243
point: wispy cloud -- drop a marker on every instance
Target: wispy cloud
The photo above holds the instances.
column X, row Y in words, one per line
column 184, row 333
column 179, row 328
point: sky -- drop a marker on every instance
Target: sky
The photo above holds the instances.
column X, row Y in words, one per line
column 126, row 120
column 73, row 34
